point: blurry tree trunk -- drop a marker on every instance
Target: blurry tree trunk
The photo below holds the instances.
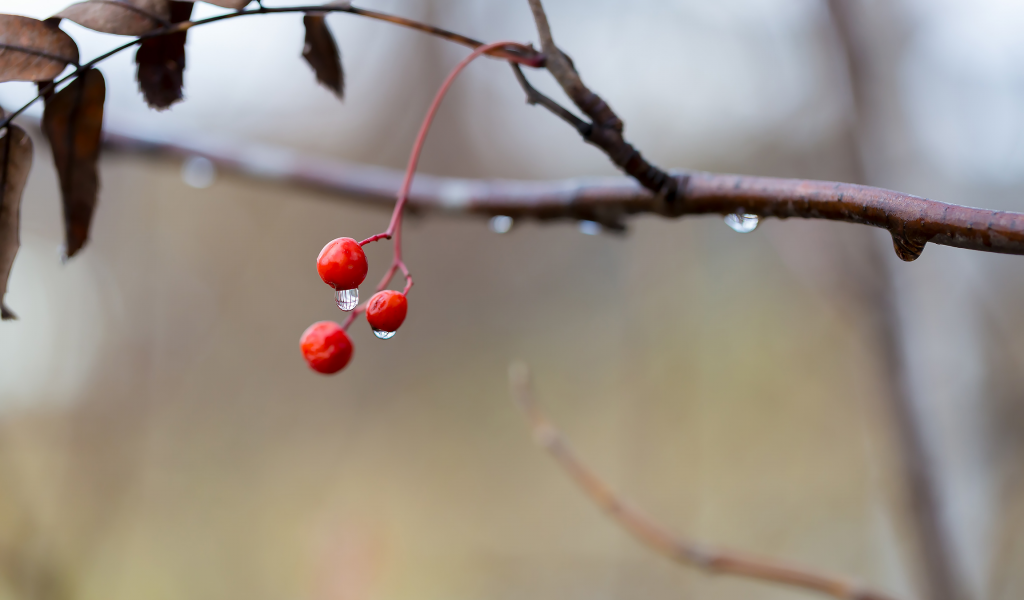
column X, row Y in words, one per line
column 941, row 578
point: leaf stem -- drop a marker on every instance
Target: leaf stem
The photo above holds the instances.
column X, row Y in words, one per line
column 514, row 52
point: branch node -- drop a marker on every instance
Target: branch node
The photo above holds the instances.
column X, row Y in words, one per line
column 606, row 132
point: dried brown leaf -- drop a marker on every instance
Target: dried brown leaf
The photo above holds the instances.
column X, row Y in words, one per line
column 15, row 163
column 161, row 62
column 321, row 52
column 235, row 4
column 32, row 50
column 122, row 17
column 73, row 122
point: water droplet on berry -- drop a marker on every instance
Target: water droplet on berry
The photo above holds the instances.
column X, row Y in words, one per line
column 590, row 227
column 501, row 224
column 384, row 335
column 347, row 299
column 742, row 223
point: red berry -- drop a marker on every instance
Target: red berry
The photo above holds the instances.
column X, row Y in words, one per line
column 386, row 310
column 326, row 347
column 342, row 264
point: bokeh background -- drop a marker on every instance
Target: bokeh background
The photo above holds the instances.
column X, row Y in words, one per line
column 161, row 437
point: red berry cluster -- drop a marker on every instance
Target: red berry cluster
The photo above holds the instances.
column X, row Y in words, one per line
column 342, row 265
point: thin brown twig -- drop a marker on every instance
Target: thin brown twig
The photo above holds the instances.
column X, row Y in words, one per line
column 677, row 548
column 533, row 96
column 606, row 129
column 527, row 57
column 506, row 53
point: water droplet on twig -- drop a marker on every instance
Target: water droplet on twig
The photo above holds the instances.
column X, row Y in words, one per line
column 501, row 224
column 384, row 335
column 907, row 248
column 198, row 172
column 741, row 222
column 590, row 227
column 347, row 299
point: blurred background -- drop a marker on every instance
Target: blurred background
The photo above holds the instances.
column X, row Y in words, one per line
column 162, row 438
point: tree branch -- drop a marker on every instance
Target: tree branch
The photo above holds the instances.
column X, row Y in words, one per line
column 679, row 549
column 911, row 220
column 606, row 130
column 533, row 96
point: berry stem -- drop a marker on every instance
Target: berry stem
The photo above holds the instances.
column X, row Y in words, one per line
column 352, row 316
column 374, row 238
column 394, row 230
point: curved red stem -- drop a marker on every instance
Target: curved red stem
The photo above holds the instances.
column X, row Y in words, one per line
column 394, row 230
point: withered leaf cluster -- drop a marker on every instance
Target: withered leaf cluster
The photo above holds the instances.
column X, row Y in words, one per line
column 39, row 51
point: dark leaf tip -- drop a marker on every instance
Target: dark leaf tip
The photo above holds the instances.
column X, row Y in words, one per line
column 322, row 54
column 161, row 63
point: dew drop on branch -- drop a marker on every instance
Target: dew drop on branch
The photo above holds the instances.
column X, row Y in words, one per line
column 907, row 248
column 347, row 299
column 590, row 227
column 198, row 172
column 501, row 224
column 742, row 223
column 384, row 335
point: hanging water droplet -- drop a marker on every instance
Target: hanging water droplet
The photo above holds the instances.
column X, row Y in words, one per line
column 590, row 227
column 347, row 299
column 501, row 224
column 907, row 248
column 384, row 335
column 741, row 222
column 198, row 172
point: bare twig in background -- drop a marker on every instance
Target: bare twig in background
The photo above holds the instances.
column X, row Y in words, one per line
column 656, row 537
column 940, row 576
